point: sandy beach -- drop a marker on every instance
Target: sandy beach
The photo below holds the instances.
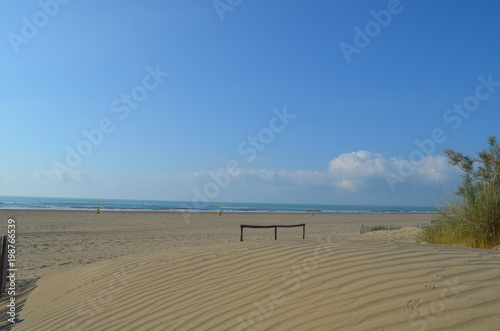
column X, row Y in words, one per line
column 172, row 271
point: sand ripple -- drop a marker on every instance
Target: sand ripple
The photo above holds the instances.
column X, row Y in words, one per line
column 287, row 285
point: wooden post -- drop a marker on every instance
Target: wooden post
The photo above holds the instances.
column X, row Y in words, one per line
column 275, row 233
column 241, row 236
column 304, row 231
column 3, row 263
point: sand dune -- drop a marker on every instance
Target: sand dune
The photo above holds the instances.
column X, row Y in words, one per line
column 283, row 285
column 161, row 271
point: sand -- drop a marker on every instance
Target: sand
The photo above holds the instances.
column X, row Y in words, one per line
column 172, row 271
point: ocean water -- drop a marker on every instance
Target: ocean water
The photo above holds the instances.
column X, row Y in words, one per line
column 39, row 203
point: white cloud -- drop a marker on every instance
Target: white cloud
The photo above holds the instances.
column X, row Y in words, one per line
column 262, row 175
column 351, row 171
column 358, row 173
column 360, row 170
column 63, row 176
column 303, row 178
column 436, row 169
column 360, row 177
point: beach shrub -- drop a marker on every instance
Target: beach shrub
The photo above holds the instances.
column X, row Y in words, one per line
column 472, row 217
column 379, row 228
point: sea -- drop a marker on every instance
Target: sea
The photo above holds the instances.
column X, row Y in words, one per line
column 43, row 203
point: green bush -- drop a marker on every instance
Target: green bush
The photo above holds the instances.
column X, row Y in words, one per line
column 379, row 228
column 472, row 219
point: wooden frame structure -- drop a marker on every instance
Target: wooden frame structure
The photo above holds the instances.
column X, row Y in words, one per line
column 303, row 225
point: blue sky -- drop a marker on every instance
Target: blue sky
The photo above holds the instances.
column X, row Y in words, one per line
column 171, row 93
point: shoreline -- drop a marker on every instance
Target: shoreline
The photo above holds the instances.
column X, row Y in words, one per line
column 65, row 204
column 216, row 211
